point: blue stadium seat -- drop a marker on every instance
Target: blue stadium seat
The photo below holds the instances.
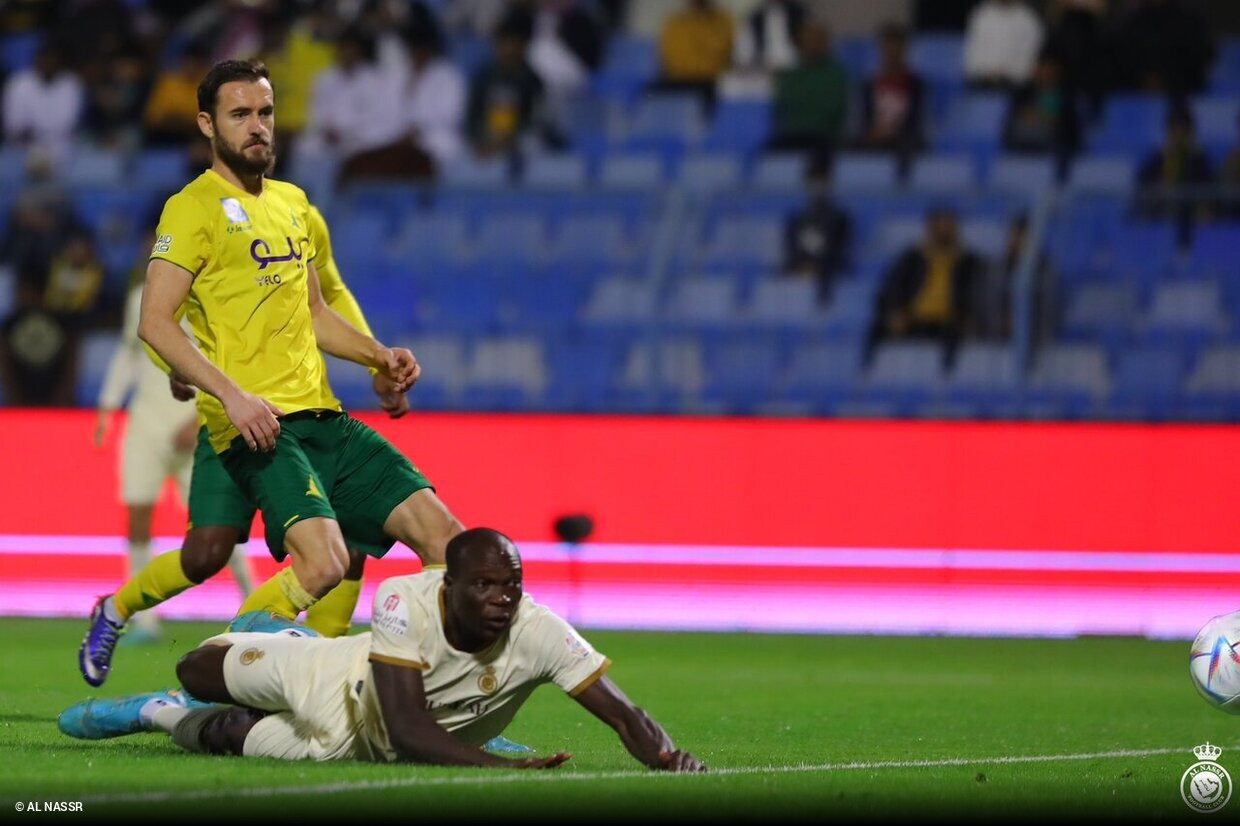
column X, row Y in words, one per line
column 455, row 303
column 471, row 173
column 741, row 373
column 1109, row 175
column 986, row 236
column 17, row 51
column 1187, row 314
column 598, row 240
column 1026, row 175
column 905, row 375
column 973, row 123
column 1147, row 383
column 161, row 170
column 546, row 303
column 662, row 376
column 1101, row 312
column 1142, row 251
column 1212, row 388
column 1069, row 380
column 701, row 302
column 985, row 377
column 631, row 172
column 93, row 167
column 560, row 171
column 1215, row 250
column 666, row 124
column 744, row 241
column 518, row 239
column 710, row 173
column 779, row 171
column 850, row 310
column 444, row 359
column 505, row 373
column 871, row 173
column 943, row 175
column 428, row 240
column 784, row 304
column 822, row 374
column 1217, row 120
column 618, row 300
column 583, row 371
column 859, row 54
column 938, row 57
column 12, row 166
column 1132, row 124
column 739, row 126
column 630, row 63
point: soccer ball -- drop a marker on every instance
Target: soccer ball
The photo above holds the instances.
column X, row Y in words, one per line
column 1214, row 662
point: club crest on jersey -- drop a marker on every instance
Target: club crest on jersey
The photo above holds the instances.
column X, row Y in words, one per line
column 488, row 683
column 235, row 213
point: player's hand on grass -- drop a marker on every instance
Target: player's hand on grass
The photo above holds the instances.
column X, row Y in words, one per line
column 399, row 365
column 181, row 390
column 550, row 762
column 679, row 761
column 256, row 418
column 395, row 404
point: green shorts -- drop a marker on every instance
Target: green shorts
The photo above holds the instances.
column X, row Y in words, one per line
column 326, row 463
column 214, row 498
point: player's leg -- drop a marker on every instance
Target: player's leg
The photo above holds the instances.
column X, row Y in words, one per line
column 333, row 614
column 382, row 497
column 220, row 518
column 146, row 626
column 203, row 563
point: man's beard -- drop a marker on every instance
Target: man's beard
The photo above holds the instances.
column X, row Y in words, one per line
column 241, row 164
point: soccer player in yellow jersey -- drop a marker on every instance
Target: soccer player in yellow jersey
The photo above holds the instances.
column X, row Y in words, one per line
column 236, row 246
column 220, row 515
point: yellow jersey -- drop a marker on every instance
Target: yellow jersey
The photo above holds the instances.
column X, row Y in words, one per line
column 248, row 305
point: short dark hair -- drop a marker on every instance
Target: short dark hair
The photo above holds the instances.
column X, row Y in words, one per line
column 226, row 71
column 467, row 543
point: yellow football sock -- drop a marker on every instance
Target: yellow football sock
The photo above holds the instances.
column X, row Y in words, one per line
column 161, row 580
column 282, row 594
column 332, row 615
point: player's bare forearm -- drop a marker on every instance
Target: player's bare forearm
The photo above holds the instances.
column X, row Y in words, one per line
column 415, row 735
column 337, row 337
column 645, row 739
column 165, row 289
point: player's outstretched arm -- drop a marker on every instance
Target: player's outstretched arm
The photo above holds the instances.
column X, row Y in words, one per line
column 166, row 287
column 339, row 338
column 416, row 736
column 642, row 736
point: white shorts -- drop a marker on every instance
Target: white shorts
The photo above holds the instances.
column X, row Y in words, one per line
column 148, row 457
column 305, row 681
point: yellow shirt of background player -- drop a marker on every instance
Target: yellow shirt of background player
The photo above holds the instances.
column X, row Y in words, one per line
column 248, row 305
column 472, row 695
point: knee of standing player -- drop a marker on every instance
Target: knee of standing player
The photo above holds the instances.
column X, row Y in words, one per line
column 207, row 550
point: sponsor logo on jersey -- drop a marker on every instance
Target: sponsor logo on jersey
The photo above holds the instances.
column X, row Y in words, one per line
column 233, row 210
column 162, row 244
column 260, row 251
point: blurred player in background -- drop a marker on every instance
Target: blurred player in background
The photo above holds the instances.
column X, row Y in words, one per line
column 450, row 658
column 220, row 515
column 159, row 440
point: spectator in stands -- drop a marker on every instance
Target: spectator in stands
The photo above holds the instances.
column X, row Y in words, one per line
column 565, row 47
column 892, row 100
column 42, row 105
column 1001, row 44
column 1162, row 46
column 811, row 98
column 1075, row 35
column 297, row 50
column 505, row 97
column 434, row 107
column 354, row 106
column 768, row 40
column 1169, row 174
column 695, row 48
column 58, row 284
column 171, row 114
column 930, row 290
column 1042, row 115
column 818, row 237
column 116, row 85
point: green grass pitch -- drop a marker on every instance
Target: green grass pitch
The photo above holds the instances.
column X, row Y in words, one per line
column 794, row 727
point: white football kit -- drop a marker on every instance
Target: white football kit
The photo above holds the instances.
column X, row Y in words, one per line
column 322, row 694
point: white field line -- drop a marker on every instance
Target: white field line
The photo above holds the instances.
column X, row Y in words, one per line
column 487, row 778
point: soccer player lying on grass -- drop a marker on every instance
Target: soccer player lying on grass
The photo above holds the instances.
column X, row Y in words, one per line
column 450, row 657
